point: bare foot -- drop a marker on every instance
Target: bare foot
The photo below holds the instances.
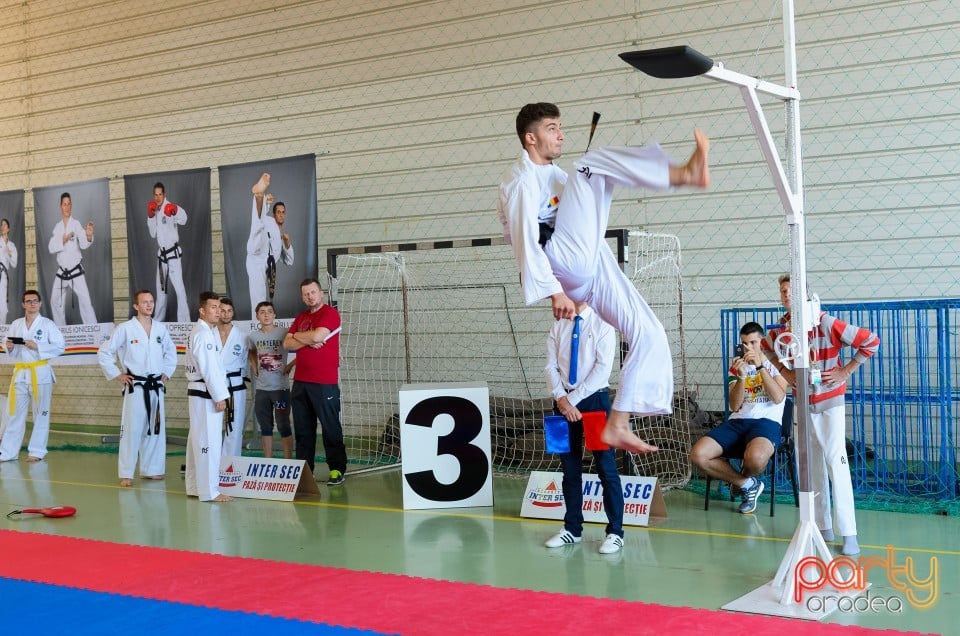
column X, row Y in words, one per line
column 222, row 498
column 126, row 483
column 153, row 477
column 32, row 459
column 696, row 172
column 261, row 186
column 625, row 439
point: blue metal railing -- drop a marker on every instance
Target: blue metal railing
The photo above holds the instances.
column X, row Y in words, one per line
column 902, row 404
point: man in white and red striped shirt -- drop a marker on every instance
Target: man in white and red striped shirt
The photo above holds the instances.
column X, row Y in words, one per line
column 828, row 451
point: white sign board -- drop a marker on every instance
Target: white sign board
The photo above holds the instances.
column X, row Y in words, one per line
column 642, row 499
column 445, row 445
column 262, row 478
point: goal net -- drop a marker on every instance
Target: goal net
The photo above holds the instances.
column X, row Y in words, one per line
column 453, row 312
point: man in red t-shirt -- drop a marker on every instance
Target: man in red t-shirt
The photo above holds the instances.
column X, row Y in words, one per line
column 315, row 337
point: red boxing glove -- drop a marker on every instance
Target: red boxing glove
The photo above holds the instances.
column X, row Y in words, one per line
column 151, row 209
column 169, row 209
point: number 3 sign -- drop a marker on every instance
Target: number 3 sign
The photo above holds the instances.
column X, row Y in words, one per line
column 445, row 445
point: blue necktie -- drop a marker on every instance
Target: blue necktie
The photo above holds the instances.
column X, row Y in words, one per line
column 575, row 349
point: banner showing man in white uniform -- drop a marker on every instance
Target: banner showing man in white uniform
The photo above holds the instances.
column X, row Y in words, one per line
column 74, row 255
column 168, row 241
column 268, row 212
column 141, row 357
column 267, row 245
column 12, row 272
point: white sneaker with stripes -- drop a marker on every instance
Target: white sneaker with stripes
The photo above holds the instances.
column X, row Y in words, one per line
column 562, row 538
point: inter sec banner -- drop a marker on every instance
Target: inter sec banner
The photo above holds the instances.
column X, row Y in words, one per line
column 75, row 264
column 268, row 212
column 169, row 243
column 12, row 257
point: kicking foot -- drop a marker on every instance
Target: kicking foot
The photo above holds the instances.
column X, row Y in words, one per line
column 126, row 483
column 261, row 186
column 32, row 459
column 153, row 477
column 222, row 498
column 625, row 439
column 696, row 172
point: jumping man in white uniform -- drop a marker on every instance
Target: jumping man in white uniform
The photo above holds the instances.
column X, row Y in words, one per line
column 576, row 265
column 233, row 352
column 266, row 243
column 31, row 342
column 68, row 238
column 147, row 359
column 8, row 260
column 163, row 217
column 207, row 399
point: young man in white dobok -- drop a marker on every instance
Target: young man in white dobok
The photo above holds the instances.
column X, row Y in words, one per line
column 207, row 400
column 31, row 343
column 556, row 226
column 141, row 356
column 233, row 352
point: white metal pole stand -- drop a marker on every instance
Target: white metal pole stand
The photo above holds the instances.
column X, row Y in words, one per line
column 683, row 61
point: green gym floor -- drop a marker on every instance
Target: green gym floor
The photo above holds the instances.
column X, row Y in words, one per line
column 693, row 558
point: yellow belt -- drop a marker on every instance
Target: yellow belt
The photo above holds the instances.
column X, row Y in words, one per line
column 17, row 368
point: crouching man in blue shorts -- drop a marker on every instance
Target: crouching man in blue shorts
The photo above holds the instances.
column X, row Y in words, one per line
column 757, row 392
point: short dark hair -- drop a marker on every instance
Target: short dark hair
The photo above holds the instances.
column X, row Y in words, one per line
column 531, row 114
column 279, row 203
column 159, row 184
column 261, row 304
column 226, row 300
column 140, row 292
column 2, row 221
column 751, row 327
column 310, row 281
column 784, row 278
column 66, row 195
column 208, row 295
column 31, row 292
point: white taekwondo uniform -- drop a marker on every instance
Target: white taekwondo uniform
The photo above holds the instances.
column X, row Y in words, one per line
column 163, row 227
column 33, row 377
column 206, row 384
column 147, row 357
column 70, row 273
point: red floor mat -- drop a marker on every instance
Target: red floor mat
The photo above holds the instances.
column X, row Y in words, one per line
column 365, row 600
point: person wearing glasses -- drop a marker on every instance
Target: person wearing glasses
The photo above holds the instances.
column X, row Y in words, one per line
column 31, row 342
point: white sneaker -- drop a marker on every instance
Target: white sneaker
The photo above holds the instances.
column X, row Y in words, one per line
column 612, row 544
column 562, row 538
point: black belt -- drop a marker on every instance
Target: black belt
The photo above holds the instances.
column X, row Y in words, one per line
column 3, row 272
column 271, row 275
column 233, row 389
column 546, row 232
column 70, row 274
column 149, row 384
column 165, row 254
column 199, row 393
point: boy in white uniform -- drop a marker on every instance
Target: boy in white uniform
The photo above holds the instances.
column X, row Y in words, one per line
column 67, row 241
column 233, row 341
column 207, row 399
column 31, row 342
column 572, row 263
column 147, row 359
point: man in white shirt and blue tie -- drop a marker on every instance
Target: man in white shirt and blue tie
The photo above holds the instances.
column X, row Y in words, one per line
column 580, row 355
